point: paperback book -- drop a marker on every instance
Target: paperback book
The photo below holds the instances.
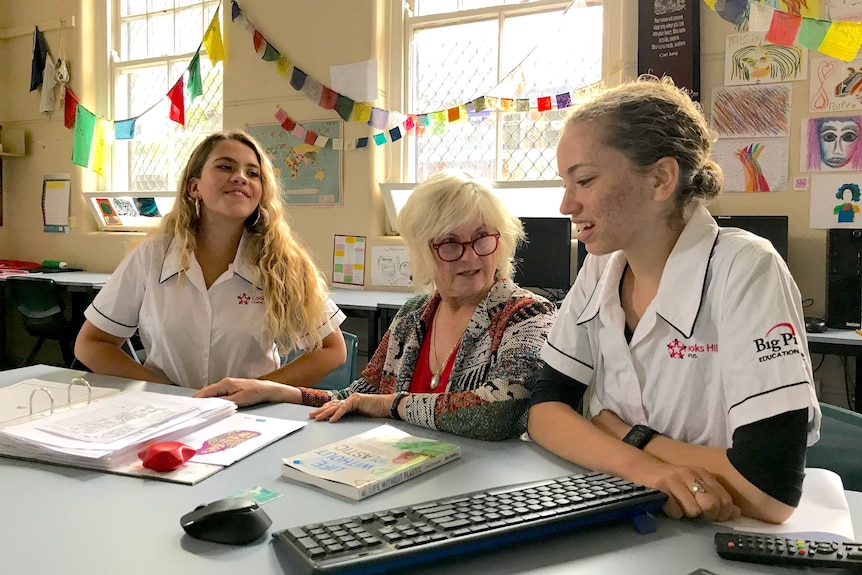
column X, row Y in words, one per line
column 370, row 462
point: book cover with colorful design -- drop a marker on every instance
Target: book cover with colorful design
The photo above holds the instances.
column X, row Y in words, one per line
column 365, row 464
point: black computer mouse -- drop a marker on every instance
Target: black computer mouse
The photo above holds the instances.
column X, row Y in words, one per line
column 235, row 520
column 815, row 324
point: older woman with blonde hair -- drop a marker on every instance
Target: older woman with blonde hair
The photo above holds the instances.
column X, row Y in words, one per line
column 222, row 290
column 462, row 356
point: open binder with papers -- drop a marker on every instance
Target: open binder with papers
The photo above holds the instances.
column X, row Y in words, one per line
column 108, row 434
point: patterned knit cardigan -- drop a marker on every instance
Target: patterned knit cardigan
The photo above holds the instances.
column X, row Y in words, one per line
column 495, row 368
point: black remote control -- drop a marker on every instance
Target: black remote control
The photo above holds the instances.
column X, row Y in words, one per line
column 776, row 550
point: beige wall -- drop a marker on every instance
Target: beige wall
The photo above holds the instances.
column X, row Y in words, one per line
column 321, row 33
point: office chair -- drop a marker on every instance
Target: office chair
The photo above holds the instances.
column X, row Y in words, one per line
column 343, row 375
column 840, row 445
column 41, row 304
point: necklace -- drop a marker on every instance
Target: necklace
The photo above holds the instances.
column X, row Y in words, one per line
column 435, row 378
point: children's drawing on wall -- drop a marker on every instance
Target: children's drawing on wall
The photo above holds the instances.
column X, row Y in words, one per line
column 348, row 260
column 836, row 200
column 751, row 111
column 390, row 266
column 841, row 10
column 753, row 164
column 831, row 144
column 750, row 59
column 835, row 86
column 807, row 8
column 848, row 196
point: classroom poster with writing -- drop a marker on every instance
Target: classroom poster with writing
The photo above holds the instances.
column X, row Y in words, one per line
column 348, row 260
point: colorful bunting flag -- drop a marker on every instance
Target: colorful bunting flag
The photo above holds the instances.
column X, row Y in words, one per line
column 85, row 124
column 840, row 40
column 212, row 41
column 70, row 108
column 176, row 95
column 195, row 83
column 784, row 28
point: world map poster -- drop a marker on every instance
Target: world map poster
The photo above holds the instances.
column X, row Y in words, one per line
column 310, row 175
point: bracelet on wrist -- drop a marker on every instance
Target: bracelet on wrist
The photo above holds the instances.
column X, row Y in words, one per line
column 393, row 409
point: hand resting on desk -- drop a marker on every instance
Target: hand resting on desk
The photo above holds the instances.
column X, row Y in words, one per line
column 244, row 392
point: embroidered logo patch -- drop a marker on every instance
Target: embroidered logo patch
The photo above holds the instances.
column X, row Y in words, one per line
column 243, row 299
column 680, row 350
column 779, row 341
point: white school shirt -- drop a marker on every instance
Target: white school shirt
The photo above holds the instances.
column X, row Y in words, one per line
column 720, row 346
column 192, row 335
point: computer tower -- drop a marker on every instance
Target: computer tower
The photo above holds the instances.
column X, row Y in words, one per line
column 844, row 279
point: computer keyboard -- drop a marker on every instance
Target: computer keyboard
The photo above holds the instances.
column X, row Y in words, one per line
column 400, row 537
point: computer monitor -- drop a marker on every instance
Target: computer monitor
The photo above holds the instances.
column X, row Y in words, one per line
column 544, row 260
column 773, row 228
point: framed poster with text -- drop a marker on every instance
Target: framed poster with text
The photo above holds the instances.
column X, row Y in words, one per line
column 310, row 175
column 669, row 41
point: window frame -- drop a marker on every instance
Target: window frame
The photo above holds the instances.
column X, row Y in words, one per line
column 109, row 71
column 401, row 50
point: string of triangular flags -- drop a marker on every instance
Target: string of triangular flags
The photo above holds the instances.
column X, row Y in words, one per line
column 837, row 39
column 94, row 134
column 393, row 125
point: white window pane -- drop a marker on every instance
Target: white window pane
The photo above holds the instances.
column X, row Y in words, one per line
column 133, row 7
column 453, row 63
column 160, row 33
column 133, row 39
column 188, row 30
column 543, row 54
column 160, row 5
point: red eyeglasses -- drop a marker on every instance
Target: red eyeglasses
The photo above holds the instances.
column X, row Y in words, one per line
column 451, row 251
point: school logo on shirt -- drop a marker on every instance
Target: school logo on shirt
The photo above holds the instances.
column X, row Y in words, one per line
column 245, row 299
column 680, row 350
column 779, row 341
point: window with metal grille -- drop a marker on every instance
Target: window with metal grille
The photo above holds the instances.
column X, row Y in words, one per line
column 153, row 43
column 459, row 50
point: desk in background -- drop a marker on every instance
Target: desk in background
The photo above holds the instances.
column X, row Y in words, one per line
column 845, row 342
column 82, row 288
column 71, row 521
column 376, row 307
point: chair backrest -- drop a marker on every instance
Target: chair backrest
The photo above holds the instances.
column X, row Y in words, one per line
column 840, row 445
column 36, row 297
column 343, row 375
column 41, row 304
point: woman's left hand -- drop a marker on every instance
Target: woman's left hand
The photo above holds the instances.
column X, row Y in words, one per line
column 610, row 423
column 365, row 403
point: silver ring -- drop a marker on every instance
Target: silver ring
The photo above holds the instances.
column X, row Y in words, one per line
column 697, row 486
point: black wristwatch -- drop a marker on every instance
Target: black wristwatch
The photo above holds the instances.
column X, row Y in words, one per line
column 640, row 435
column 393, row 409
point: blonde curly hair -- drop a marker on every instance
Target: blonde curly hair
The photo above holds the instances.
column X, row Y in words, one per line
column 294, row 289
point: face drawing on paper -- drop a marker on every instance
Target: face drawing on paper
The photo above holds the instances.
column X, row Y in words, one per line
column 839, row 138
column 404, row 272
column 756, row 63
column 388, row 267
column 833, row 143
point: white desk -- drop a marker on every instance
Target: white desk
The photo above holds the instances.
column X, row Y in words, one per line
column 63, row 520
column 844, row 342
